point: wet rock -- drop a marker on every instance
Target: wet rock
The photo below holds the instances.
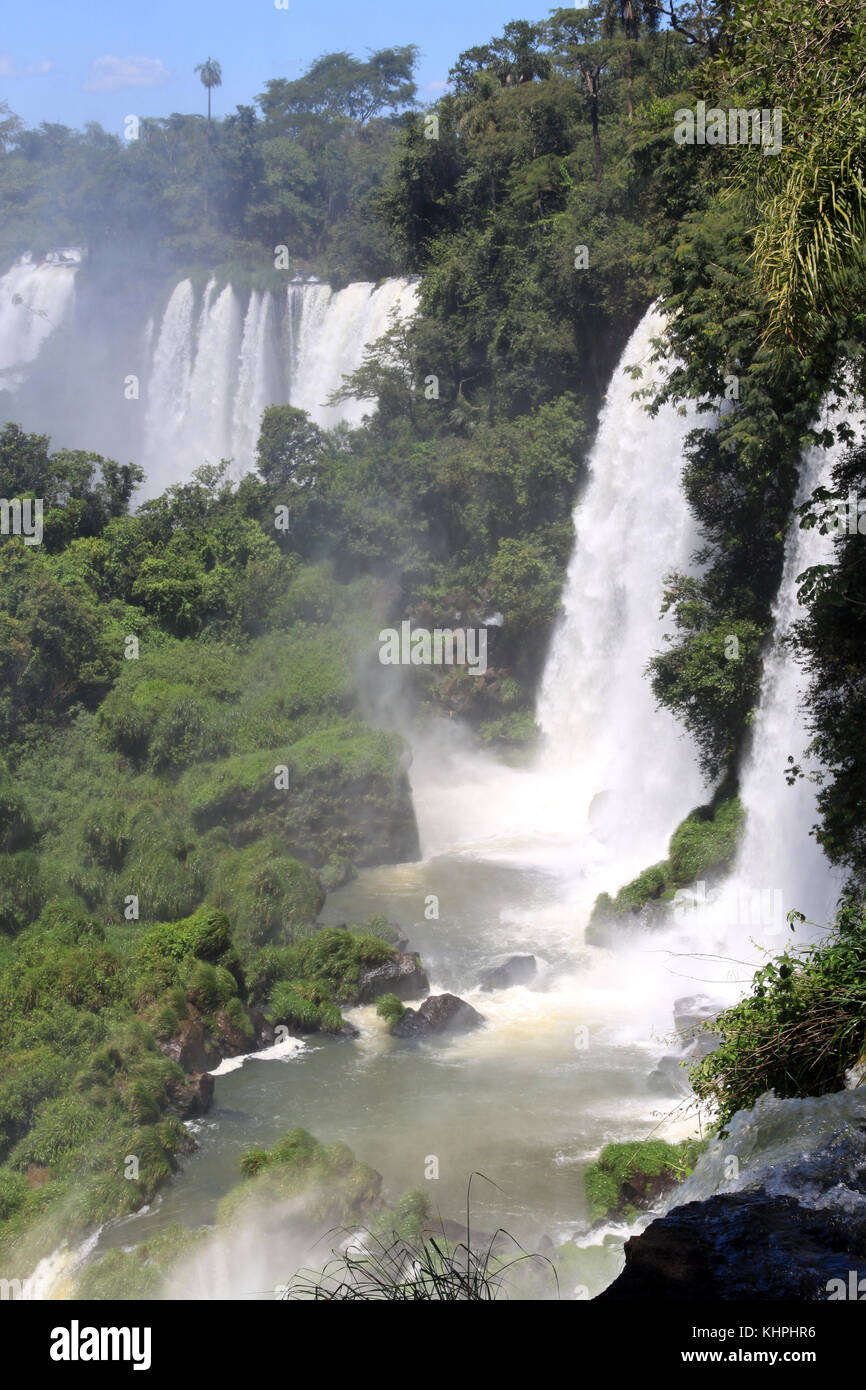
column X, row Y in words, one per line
column 440, row 1013
column 517, row 970
column 672, row 1072
column 670, row 1076
column 692, row 1011
column 193, row 1048
column 402, row 975
column 742, row 1246
column 193, row 1096
column 264, row 1029
column 499, row 1243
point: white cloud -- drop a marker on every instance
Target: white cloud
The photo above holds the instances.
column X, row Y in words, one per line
column 110, row 74
column 436, row 87
column 9, row 68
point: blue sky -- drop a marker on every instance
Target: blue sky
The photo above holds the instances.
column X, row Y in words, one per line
column 100, row 60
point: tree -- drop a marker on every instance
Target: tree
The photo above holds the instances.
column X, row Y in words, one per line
column 516, row 57
column 579, row 39
column 705, row 24
column 339, row 87
column 289, row 446
column 807, row 203
column 211, row 76
column 10, row 125
column 628, row 16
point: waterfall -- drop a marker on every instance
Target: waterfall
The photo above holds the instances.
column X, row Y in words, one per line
column 629, row 764
column 779, row 865
column 211, row 374
column 329, row 332
column 35, row 298
column 778, row 854
column 205, row 367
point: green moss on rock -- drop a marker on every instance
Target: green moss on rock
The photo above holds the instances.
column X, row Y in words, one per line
column 330, row 1183
column 141, row 1272
column 630, row 1177
column 701, row 847
column 389, row 1007
column 348, row 796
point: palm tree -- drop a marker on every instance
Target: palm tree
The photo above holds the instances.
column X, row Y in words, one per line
column 211, row 76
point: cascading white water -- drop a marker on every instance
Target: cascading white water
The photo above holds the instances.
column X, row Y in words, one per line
column 777, row 850
column 259, row 375
column 204, row 369
column 212, row 372
column 35, row 298
column 616, row 775
column 779, row 865
column 596, row 708
column 329, row 333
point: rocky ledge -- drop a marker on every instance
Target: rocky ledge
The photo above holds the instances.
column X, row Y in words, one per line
column 747, row 1245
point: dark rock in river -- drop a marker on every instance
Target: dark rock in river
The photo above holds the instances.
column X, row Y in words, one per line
column 263, row 1028
column 193, row 1048
column 692, row 1011
column 194, row 1095
column 402, row 975
column 517, row 970
column 747, row 1245
column 441, row 1013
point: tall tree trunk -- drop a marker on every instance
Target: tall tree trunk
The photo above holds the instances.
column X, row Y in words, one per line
column 592, row 88
column 207, row 152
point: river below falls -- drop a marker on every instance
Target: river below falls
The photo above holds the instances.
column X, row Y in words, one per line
column 559, row 1069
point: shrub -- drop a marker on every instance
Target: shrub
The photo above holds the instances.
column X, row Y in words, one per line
column 206, row 934
column 13, row 1192
column 165, row 1023
column 271, row 896
column 800, row 1030
column 632, row 1176
column 62, row 1124
column 389, row 1007
column 29, row 1077
column 331, row 957
column 105, row 834
column 16, row 827
column 293, row 1005
column 208, row 986
column 21, row 891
